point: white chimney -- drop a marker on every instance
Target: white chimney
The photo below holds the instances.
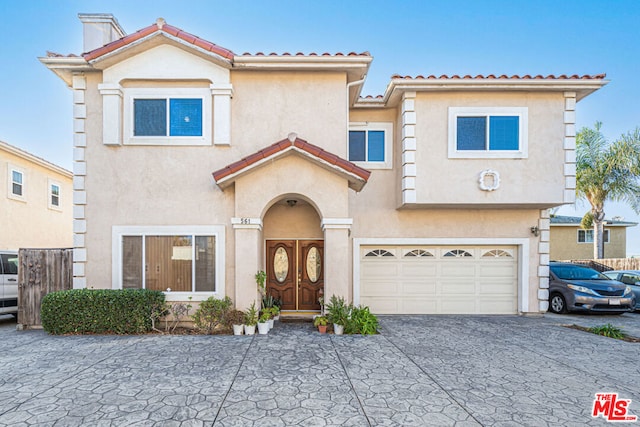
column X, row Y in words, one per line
column 99, row 29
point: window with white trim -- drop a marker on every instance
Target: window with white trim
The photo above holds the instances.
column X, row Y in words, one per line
column 54, row 195
column 16, row 181
column 488, row 132
column 586, row 236
column 171, row 259
column 167, row 116
column 370, row 144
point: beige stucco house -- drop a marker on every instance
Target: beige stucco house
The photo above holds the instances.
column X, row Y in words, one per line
column 570, row 242
column 36, row 207
column 195, row 167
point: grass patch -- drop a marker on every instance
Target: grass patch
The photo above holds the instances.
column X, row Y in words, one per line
column 607, row 330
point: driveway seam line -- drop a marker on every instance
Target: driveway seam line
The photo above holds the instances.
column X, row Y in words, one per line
column 432, row 379
column 364, row 412
column 233, row 380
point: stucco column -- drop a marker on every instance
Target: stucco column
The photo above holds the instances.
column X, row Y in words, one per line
column 336, row 257
column 248, row 260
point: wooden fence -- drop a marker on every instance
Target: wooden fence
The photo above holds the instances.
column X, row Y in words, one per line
column 41, row 271
column 610, row 263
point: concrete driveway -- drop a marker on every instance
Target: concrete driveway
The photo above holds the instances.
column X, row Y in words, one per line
column 421, row 370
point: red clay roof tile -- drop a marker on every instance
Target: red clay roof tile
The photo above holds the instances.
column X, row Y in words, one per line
column 504, row 76
column 301, row 144
column 159, row 26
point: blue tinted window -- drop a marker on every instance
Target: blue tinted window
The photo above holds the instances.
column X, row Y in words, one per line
column 376, row 145
column 150, row 117
column 185, row 117
column 503, row 133
column 471, row 133
column 357, row 146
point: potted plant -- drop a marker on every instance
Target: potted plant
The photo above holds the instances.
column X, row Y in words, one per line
column 237, row 321
column 250, row 320
column 261, row 278
column 321, row 323
column 337, row 313
column 263, row 323
column 275, row 310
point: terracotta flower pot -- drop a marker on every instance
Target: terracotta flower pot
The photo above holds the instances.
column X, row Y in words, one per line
column 322, row 329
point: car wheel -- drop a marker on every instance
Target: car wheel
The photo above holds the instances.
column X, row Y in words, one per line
column 557, row 304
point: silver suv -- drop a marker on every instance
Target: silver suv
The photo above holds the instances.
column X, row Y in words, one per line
column 8, row 282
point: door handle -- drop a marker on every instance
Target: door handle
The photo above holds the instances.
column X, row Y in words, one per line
column 11, row 280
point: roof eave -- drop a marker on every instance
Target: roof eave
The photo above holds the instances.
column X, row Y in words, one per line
column 108, row 59
column 35, row 159
column 65, row 67
column 582, row 87
column 355, row 181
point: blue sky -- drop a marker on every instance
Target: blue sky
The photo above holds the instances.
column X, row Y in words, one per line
column 404, row 37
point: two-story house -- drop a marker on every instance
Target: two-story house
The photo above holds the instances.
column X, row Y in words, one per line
column 36, row 207
column 195, row 167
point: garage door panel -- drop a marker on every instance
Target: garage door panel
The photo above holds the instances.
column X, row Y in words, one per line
column 382, row 288
column 381, row 269
column 418, row 288
column 461, row 269
column 496, row 305
column 480, row 279
column 382, row 305
column 418, row 306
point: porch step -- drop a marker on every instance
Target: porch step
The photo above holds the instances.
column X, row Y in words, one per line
column 297, row 316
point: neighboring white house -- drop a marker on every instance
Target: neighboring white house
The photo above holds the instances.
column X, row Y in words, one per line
column 195, row 167
column 36, row 207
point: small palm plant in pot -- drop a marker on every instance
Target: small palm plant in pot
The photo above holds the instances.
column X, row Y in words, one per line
column 250, row 320
column 237, row 321
column 337, row 313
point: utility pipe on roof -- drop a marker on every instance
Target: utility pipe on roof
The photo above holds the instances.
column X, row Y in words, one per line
column 349, row 85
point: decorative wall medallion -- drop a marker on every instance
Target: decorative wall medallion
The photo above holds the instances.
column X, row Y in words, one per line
column 489, row 180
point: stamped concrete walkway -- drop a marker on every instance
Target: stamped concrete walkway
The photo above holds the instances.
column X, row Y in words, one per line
column 420, row 371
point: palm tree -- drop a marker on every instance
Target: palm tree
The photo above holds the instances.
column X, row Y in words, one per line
column 606, row 172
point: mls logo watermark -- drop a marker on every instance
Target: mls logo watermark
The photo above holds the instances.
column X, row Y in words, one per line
column 611, row 408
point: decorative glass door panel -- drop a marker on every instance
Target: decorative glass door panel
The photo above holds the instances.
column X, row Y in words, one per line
column 295, row 273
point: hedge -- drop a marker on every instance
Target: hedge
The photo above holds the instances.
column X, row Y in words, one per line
column 99, row 311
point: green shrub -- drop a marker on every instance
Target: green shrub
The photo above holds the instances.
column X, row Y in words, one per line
column 337, row 310
column 608, row 330
column 99, row 311
column 212, row 314
column 361, row 321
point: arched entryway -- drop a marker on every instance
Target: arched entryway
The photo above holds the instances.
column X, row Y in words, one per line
column 294, row 254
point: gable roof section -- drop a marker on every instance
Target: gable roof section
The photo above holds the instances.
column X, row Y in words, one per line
column 12, row 149
column 356, row 175
column 574, row 221
column 582, row 85
column 159, row 27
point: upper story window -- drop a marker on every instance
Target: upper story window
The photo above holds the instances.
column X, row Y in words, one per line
column 16, row 188
column 54, row 195
column 370, row 144
column 586, row 236
column 488, row 132
column 167, row 116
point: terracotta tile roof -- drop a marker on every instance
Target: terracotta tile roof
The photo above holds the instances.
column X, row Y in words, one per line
column 285, row 144
column 503, row 77
column 306, row 54
column 159, row 26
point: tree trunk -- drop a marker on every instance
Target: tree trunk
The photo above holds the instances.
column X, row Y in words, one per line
column 598, row 235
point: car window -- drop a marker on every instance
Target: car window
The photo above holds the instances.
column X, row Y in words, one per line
column 575, row 272
column 630, row 279
column 9, row 263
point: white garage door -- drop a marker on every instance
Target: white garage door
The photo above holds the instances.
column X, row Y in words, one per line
column 442, row 280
